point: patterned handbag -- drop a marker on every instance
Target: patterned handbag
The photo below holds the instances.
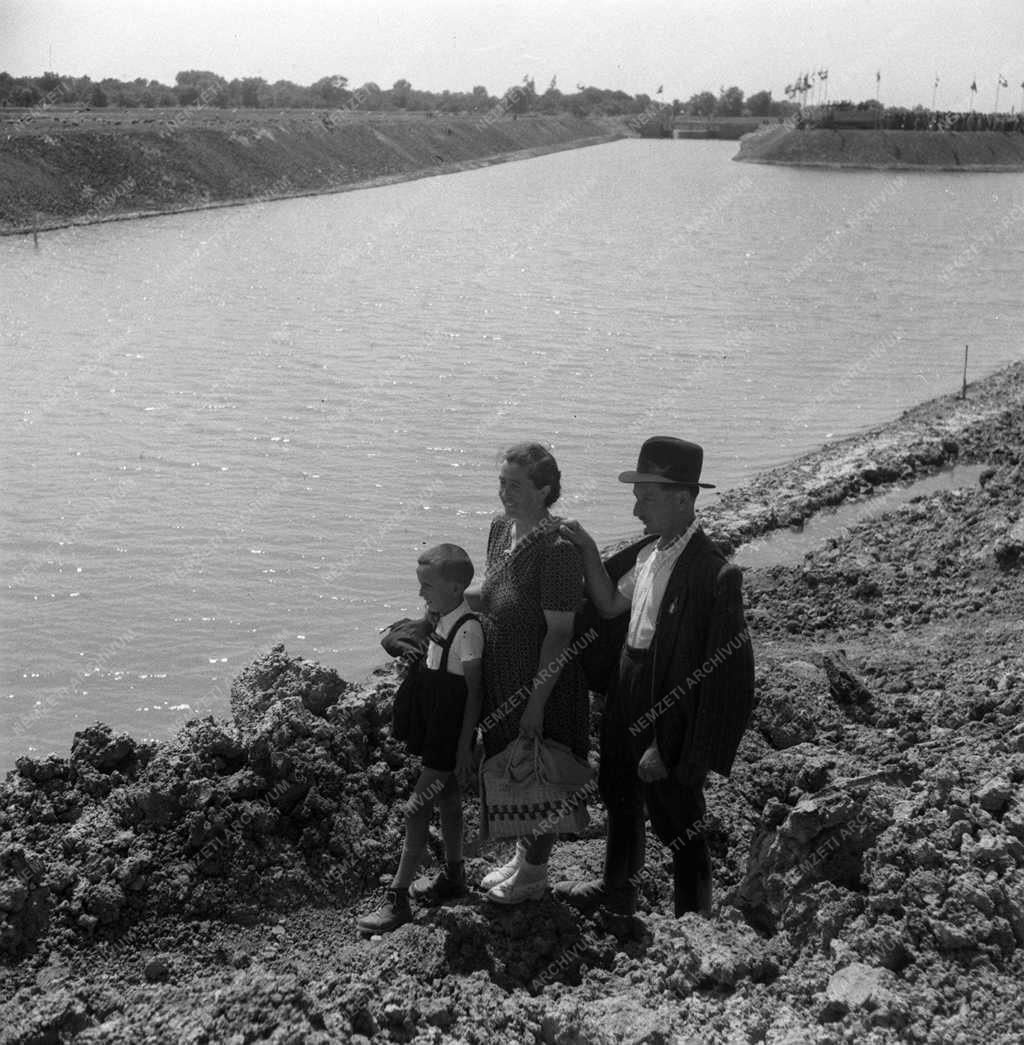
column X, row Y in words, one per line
column 535, row 789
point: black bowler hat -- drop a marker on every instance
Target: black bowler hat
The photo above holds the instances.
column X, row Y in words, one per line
column 664, row 459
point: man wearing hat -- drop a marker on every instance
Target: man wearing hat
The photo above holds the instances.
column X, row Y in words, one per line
column 684, row 691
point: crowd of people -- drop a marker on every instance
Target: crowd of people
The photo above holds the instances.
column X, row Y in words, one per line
column 499, row 672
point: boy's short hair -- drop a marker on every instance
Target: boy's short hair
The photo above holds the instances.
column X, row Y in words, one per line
column 451, row 561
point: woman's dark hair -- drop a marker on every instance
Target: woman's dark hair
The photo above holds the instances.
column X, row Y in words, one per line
column 541, row 467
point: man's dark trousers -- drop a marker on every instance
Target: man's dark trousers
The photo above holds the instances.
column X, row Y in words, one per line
column 676, row 810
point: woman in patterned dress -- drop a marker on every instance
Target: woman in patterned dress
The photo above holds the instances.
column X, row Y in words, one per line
column 532, row 587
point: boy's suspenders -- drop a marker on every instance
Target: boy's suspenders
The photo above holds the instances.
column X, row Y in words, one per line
column 446, row 643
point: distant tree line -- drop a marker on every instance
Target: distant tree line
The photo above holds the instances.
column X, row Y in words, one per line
column 202, row 87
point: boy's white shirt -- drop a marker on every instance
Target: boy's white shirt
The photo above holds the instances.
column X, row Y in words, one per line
column 468, row 644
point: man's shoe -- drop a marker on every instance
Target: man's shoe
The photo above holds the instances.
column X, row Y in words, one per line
column 395, row 911
column 501, row 874
column 448, row 884
column 589, row 896
column 528, row 883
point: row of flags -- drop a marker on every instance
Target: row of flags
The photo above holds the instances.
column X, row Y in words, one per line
column 805, row 82
column 1001, row 82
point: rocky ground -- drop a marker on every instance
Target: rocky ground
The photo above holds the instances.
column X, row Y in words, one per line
column 869, row 844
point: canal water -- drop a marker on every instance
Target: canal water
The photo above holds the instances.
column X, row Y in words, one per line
column 238, row 427
column 789, row 545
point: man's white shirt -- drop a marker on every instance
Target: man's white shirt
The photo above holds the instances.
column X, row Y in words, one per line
column 645, row 586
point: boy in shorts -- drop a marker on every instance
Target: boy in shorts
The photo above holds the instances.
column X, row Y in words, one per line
column 448, row 699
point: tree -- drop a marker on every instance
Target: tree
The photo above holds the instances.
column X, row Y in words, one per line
column 98, row 98
column 330, row 91
column 518, row 98
column 370, row 97
column 287, row 95
column 730, row 102
column 198, row 86
column 760, row 104
column 25, row 95
column 162, row 95
column 702, row 104
column 254, row 92
column 552, row 100
column 48, row 83
column 400, row 92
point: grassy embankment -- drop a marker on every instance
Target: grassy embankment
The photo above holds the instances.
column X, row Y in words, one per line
column 885, row 150
column 60, row 167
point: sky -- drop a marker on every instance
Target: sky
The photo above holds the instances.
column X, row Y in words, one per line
column 631, row 45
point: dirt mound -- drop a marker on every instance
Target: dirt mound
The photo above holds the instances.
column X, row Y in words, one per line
column 886, row 150
column 296, row 799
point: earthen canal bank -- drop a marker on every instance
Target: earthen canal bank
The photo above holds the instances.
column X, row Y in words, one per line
column 59, row 168
column 869, row 846
column 979, row 151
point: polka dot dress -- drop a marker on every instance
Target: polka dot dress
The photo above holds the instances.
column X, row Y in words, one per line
column 543, row 572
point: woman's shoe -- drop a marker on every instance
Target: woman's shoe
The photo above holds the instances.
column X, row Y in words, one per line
column 529, row 882
column 503, row 873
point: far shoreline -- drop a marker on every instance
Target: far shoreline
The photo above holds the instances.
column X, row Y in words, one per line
column 70, row 170
column 377, row 182
column 965, row 152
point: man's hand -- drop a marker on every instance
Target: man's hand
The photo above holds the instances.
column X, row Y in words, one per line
column 573, row 531
column 651, row 766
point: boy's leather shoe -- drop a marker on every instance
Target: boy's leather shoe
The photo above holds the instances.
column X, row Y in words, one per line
column 395, row 911
column 589, row 896
column 448, row 884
